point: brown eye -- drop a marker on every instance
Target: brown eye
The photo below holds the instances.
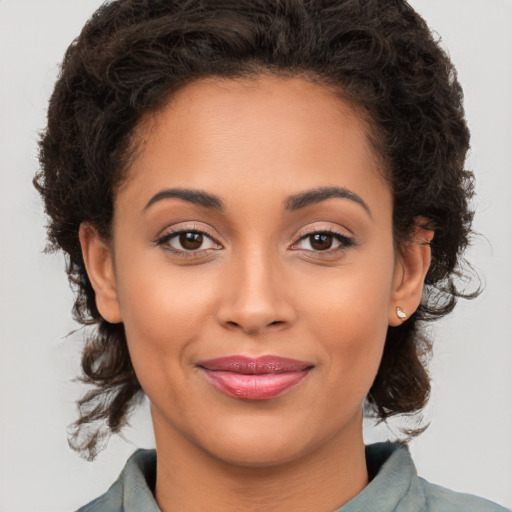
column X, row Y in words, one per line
column 321, row 241
column 324, row 241
column 187, row 242
column 190, row 240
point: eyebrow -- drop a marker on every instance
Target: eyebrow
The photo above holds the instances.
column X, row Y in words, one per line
column 192, row 196
column 317, row 195
column 293, row 203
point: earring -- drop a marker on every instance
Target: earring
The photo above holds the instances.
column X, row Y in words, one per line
column 400, row 313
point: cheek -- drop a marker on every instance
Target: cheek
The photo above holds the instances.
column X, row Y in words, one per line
column 163, row 310
column 348, row 314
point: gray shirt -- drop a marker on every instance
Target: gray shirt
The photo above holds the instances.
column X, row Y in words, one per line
column 394, row 487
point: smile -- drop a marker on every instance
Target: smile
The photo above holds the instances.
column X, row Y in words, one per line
column 254, row 379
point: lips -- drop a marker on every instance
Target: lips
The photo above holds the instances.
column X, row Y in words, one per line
column 254, row 379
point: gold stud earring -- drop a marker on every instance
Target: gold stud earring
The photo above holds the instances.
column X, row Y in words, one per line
column 400, row 313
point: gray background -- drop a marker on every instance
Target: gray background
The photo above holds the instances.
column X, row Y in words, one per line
column 468, row 446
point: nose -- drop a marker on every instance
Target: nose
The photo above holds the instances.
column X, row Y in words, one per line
column 255, row 296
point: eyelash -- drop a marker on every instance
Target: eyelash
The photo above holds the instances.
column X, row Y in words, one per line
column 184, row 253
column 345, row 241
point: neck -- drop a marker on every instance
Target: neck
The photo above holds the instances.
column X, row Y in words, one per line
column 190, row 479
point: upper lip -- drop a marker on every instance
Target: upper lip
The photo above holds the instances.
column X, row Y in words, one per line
column 255, row 366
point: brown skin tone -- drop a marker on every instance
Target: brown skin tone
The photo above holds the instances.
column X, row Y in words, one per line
column 258, row 283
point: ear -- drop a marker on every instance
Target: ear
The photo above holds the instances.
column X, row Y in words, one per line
column 100, row 269
column 411, row 267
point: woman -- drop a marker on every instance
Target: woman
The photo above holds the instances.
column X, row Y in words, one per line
column 261, row 203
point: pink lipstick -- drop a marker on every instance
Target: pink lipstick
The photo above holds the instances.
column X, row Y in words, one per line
column 254, row 379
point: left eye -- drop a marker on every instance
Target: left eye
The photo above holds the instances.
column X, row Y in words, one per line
column 188, row 241
column 322, row 241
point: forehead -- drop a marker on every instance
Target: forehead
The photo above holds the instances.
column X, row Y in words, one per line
column 267, row 131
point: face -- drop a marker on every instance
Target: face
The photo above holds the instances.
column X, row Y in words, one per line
column 253, row 266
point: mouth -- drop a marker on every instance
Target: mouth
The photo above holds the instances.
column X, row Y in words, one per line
column 262, row 378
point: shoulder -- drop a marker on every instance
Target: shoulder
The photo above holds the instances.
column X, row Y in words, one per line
column 111, row 501
column 396, row 487
column 133, row 490
column 440, row 499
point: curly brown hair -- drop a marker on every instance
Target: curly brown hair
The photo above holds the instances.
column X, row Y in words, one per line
column 133, row 54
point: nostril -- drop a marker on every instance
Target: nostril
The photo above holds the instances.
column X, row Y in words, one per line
column 236, row 325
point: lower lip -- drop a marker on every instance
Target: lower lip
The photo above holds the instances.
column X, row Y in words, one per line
column 255, row 387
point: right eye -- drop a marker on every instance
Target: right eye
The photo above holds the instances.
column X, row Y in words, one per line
column 187, row 241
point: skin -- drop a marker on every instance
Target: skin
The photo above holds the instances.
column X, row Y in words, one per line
column 258, row 285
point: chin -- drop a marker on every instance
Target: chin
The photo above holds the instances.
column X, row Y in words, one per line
column 258, row 455
column 264, row 442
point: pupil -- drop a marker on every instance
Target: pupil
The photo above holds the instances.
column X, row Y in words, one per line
column 191, row 241
column 321, row 241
